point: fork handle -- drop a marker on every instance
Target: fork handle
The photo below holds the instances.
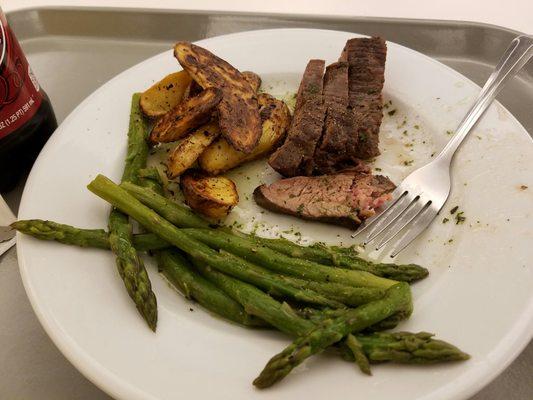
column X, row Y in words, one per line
column 515, row 57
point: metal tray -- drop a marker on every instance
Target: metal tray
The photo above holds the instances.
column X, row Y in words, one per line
column 73, row 51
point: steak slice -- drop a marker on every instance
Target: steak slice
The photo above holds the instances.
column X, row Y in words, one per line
column 366, row 59
column 338, row 146
column 345, row 198
column 294, row 157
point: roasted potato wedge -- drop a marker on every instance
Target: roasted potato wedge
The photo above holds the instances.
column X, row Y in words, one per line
column 164, row 95
column 238, row 110
column 212, row 196
column 189, row 149
column 186, row 116
column 221, row 156
column 253, row 79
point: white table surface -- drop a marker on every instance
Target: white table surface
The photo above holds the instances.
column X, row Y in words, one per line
column 30, row 365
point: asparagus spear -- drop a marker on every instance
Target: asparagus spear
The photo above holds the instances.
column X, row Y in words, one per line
column 179, row 272
column 49, row 230
column 267, row 280
column 345, row 257
column 397, row 298
column 129, row 264
column 222, row 261
column 256, row 302
column 131, row 267
column 137, row 151
column 283, row 264
column 348, row 295
column 410, row 348
column 317, row 253
column 398, row 272
column 151, row 179
column 67, row 234
column 149, row 242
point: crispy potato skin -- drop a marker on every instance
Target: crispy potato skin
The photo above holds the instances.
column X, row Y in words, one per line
column 186, row 116
column 212, row 196
column 220, row 156
column 238, row 109
column 193, row 90
column 253, row 79
column 164, row 95
column 185, row 154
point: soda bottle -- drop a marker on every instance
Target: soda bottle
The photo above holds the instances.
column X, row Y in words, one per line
column 26, row 116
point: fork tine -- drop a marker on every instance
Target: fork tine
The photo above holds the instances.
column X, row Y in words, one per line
column 389, row 216
column 392, row 217
column 418, row 225
column 418, row 206
column 397, row 195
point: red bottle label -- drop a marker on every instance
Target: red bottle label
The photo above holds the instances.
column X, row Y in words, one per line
column 20, row 96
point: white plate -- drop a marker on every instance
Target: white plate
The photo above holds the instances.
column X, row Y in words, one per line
column 478, row 296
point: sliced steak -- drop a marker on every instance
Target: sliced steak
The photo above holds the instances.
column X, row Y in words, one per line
column 345, row 198
column 295, row 155
column 338, row 146
column 366, row 75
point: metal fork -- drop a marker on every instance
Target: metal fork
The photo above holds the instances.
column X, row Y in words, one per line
column 419, row 198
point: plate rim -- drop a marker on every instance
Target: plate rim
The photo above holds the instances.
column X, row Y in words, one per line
column 508, row 349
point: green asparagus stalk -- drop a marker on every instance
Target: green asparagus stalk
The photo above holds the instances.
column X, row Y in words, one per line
column 348, row 295
column 179, row 272
column 129, row 264
column 408, row 348
column 256, row 302
column 398, row 272
column 283, row 264
column 397, row 298
column 317, row 316
column 150, row 178
column 67, row 234
column 345, row 257
column 149, row 242
column 47, row 230
column 137, row 151
column 318, row 253
column 222, row 261
column 131, row 267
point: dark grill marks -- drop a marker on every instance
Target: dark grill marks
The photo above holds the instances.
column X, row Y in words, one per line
column 339, row 139
column 295, row 155
column 366, row 59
